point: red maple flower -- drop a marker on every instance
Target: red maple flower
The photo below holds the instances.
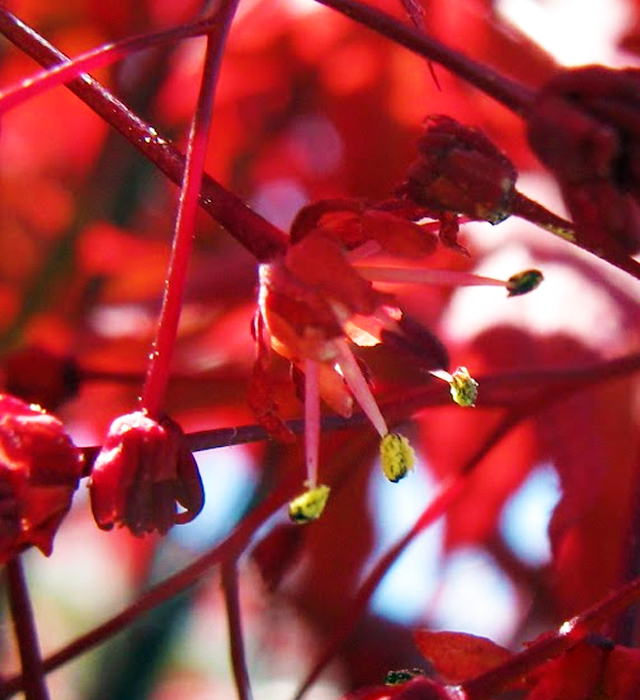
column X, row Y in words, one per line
column 143, row 472
column 39, row 471
column 320, row 294
column 460, row 170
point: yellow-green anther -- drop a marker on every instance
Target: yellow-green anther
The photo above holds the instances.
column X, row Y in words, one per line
column 402, row 676
column 396, row 456
column 523, row 282
column 464, row 388
column 309, row 505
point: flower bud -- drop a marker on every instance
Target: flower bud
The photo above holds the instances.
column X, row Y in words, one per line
column 142, row 473
column 39, row 471
column 459, row 170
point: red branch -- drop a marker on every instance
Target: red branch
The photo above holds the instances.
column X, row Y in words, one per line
column 227, row 550
column 552, row 386
column 99, row 58
column 509, row 93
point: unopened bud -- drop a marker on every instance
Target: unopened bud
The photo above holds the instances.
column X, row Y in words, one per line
column 39, row 472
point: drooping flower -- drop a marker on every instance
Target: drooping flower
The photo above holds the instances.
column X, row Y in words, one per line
column 461, row 173
column 145, row 477
column 39, row 471
column 320, row 295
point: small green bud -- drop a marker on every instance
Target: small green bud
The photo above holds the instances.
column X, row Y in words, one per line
column 396, row 456
column 402, row 675
column 523, row 282
column 309, row 505
column 464, row 388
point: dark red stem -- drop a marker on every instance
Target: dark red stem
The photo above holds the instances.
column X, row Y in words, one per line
column 528, row 389
column 534, row 212
column 234, row 623
column 159, row 365
column 256, row 234
column 98, row 58
column 509, row 93
column 559, row 384
column 32, row 667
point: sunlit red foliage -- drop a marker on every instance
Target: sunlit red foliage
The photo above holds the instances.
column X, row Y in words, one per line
column 338, row 151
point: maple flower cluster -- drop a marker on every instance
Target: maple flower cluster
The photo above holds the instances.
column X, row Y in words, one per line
column 320, row 294
column 314, row 300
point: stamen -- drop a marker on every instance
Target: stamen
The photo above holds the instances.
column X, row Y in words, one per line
column 312, row 420
column 464, row 388
column 396, row 456
column 359, row 387
column 516, row 285
column 419, row 275
column 365, row 250
column 524, row 282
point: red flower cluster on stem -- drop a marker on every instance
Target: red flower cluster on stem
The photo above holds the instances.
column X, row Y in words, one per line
column 323, row 289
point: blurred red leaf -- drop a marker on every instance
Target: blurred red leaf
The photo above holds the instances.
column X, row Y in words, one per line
column 457, row 656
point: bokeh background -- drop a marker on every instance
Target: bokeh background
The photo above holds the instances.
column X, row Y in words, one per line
column 310, row 105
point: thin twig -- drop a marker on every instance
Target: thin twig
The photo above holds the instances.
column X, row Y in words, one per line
column 98, row 58
column 506, row 390
column 547, row 646
column 449, row 493
column 509, row 93
column 234, row 623
column 35, row 687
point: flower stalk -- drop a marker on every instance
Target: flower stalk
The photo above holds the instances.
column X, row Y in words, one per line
column 230, row 587
column 312, row 420
column 160, row 358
